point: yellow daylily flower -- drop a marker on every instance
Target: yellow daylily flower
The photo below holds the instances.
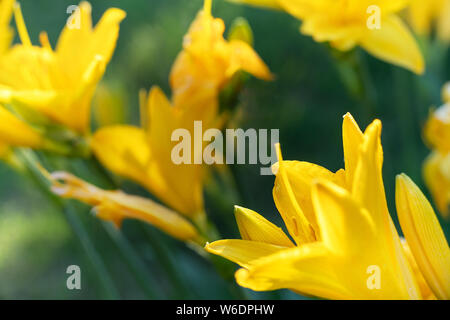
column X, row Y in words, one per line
column 144, row 154
column 345, row 245
column 423, row 15
column 436, row 168
column 208, row 61
column 372, row 24
column 115, row 206
column 6, row 32
column 60, row 83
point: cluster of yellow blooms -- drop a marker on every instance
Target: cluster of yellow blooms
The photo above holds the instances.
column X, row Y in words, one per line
column 341, row 226
column 338, row 223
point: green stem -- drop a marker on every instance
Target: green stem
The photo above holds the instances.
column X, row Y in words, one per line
column 161, row 250
column 130, row 256
column 30, row 161
column 133, row 260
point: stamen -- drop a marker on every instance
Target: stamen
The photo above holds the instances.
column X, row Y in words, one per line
column 21, row 27
column 207, row 7
column 278, row 150
column 43, row 39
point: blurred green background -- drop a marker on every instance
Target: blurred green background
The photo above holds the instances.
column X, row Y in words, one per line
column 306, row 102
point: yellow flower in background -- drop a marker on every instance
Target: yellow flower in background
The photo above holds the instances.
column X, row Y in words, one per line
column 144, row 154
column 345, row 245
column 208, row 61
column 6, row 32
column 437, row 166
column 371, row 24
column 115, row 206
column 423, row 15
column 60, row 83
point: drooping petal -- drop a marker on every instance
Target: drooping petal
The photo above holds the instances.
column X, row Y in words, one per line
column 394, row 43
column 115, row 206
column 424, row 236
column 254, row 227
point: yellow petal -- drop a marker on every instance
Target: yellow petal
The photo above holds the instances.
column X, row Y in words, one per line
column 15, row 132
column 421, row 15
column 253, row 226
column 115, row 206
column 301, row 176
column 425, row 290
column 367, row 184
column 394, row 43
column 272, row 4
column 306, row 269
column 296, row 222
column 443, row 23
column 304, row 8
column 438, row 180
column 6, row 33
column 125, row 151
column 185, row 181
column 437, row 129
column 243, row 57
column 424, row 236
column 368, row 190
column 344, row 225
column 352, row 139
column 242, row 252
column 446, row 92
column 77, row 47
